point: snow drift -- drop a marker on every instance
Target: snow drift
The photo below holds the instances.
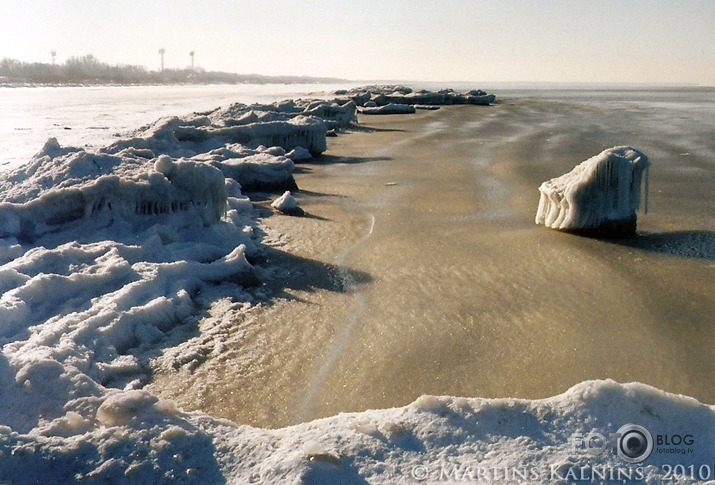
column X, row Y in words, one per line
column 133, row 437
column 599, row 196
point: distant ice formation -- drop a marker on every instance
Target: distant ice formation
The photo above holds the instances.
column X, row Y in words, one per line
column 377, row 96
column 388, row 109
column 599, row 196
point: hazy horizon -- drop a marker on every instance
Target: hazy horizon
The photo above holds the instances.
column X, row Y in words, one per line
column 612, row 41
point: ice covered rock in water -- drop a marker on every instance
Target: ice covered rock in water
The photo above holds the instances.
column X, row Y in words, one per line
column 301, row 131
column 253, row 169
column 334, row 115
column 287, row 204
column 599, row 196
column 370, row 96
column 299, row 154
column 389, row 109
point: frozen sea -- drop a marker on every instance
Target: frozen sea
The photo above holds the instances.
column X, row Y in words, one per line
column 97, row 115
column 127, row 360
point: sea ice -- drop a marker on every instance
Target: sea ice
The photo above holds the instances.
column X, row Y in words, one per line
column 599, row 196
column 108, row 258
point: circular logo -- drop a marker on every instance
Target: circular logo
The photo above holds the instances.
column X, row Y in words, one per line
column 635, row 443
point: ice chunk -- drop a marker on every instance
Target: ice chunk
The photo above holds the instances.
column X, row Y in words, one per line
column 389, row 109
column 287, row 204
column 299, row 154
column 599, row 196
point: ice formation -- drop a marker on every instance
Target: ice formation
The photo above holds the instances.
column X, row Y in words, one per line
column 599, row 196
column 133, row 437
column 287, row 204
column 376, row 96
column 388, row 109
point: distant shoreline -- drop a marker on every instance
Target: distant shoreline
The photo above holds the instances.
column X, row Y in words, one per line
column 88, row 70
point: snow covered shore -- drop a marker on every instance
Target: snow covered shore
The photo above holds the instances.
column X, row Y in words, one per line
column 108, row 258
column 135, row 438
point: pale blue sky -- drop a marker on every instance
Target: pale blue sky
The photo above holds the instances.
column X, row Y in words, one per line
column 655, row 41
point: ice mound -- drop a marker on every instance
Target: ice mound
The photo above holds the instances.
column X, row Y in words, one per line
column 287, row 204
column 599, row 196
column 186, row 137
column 254, row 169
column 388, row 109
column 49, row 193
column 335, row 114
column 401, row 95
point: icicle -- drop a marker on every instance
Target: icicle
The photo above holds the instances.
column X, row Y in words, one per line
column 647, row 187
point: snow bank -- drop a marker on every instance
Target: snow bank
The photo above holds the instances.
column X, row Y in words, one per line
column 133, row 437
column 599, row 196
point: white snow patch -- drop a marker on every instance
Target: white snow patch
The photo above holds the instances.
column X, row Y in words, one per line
column 287, row 204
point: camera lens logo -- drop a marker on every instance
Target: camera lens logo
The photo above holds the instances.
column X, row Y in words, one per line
column 634, row 443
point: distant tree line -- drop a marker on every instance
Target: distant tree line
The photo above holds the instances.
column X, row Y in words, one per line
column 89, row 70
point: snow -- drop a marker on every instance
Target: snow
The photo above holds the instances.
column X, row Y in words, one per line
column 600, row 195
column 110, row 257
column 133, row 437
column 287, row 204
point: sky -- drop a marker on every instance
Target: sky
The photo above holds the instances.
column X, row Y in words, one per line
column 609, row 41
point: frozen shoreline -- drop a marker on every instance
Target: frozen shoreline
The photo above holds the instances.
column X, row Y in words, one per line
column 379, row 446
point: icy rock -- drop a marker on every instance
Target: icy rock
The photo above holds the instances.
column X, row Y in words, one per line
column 389, row 109
column 599, row 197
column 299, row 154
column 179, row 137
column 261, row 171
column 372, row 96
column 287, row 204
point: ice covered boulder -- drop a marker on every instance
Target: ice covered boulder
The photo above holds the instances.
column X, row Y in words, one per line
column 371, row 96
column 389, row 109
column 287, row 204
column 599, row 196
column 302, row 131
column 299, row 154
